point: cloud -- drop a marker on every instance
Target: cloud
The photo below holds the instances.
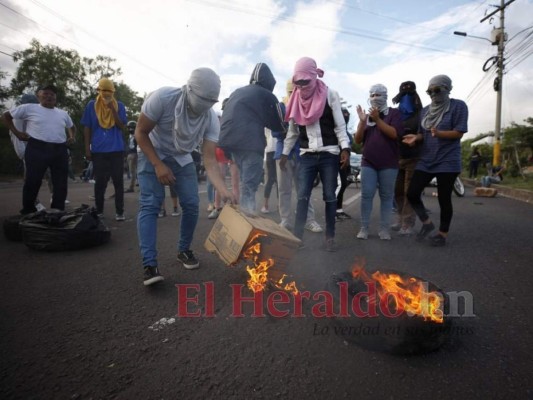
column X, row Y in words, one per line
column 157, row 43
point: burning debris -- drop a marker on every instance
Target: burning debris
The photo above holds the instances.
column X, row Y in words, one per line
column 262, row 272
column 401, row 314
column 266, row 247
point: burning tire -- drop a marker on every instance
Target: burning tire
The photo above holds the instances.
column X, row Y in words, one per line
column 374, row 321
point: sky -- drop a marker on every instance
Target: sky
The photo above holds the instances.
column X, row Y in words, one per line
column 357, row 43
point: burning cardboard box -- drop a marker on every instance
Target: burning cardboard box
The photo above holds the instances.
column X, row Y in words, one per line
column 234, row 232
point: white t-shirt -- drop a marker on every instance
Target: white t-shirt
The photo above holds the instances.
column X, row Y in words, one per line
column 46, row 124
column 18, row 145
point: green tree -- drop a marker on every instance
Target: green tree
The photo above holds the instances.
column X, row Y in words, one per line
column 4, row 90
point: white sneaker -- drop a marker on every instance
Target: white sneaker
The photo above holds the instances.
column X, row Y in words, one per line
column 265, row 210
column 406, row 232
column 176, row 212
column 384, row 235
column 314, row 227
column 40, row 207
column 214, row 214
column 363, row 234
column 120, row 217
column 285, row 224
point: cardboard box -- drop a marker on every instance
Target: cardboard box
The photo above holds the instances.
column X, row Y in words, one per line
column 233, row 230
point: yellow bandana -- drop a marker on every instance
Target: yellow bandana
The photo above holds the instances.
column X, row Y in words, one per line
column 103, row 112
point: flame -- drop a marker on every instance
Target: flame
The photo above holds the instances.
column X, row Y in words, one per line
column 259, row 274
column 409, row 294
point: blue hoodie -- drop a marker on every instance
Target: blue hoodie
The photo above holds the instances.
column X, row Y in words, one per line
column 248, row 111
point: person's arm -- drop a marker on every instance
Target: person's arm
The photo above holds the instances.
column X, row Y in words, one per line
column 213, row 171
column 361, row 126
column 118, row 120
column 144, row 126
column 288, row 144
column 71, row 134
column 412, row 139
column 386, row 129
column 446, row 134
column 8, row 119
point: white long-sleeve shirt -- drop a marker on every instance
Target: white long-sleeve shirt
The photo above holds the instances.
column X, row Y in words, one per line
column 314, row 133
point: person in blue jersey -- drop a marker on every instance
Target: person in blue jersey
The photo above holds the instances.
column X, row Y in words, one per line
column 443, row 124
column 104, row 120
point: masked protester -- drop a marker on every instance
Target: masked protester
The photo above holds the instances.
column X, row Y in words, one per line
column 410, row 106
column 378, row 130
column 248, row 111
column 172, row 124
column 104, row 120
column 316, row 122
column 442, row 126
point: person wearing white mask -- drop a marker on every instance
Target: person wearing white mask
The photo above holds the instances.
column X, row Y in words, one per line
column 442, row 126
column 378, row 131
column 173, row 123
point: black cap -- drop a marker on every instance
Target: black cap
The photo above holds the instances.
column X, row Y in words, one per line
column 47, row 86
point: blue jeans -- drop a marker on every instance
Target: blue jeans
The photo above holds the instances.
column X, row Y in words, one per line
column 250, row 165
column 383, row 180
column 150, row 200
column 327, row 165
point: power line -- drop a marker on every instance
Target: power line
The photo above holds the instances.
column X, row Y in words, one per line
column 350, row 32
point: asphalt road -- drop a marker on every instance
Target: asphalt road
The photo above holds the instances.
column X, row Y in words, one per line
column 81, row 325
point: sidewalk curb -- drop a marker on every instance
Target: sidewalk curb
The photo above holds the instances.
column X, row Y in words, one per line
column 516, row 194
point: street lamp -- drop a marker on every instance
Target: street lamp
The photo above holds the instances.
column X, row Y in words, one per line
column 472, row 36
column 498, row 40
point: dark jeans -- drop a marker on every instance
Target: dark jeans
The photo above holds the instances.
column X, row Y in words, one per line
column 327, row 165
column 38, row 157
column 473, row 169
column 445, row 181
column 271, row 174
column 343, row 173
column 105, row 166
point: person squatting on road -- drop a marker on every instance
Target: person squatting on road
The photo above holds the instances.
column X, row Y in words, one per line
column 442, row 126
column 247, row 112
column 316, row 121
column 104, row 120
column 172, row 123
column 46, row 134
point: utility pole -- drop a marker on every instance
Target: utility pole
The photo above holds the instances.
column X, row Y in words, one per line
column 499, row 39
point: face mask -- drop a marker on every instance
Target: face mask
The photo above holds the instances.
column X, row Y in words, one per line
column 406, row 105
column 439, row 97
column 378, row 102
column 197, row 104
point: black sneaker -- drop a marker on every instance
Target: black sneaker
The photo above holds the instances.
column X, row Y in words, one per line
column 438, row 240
column 340, row 216
column 330, row 245
column 151, row 276
column 188, row 259
column 424, row 231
